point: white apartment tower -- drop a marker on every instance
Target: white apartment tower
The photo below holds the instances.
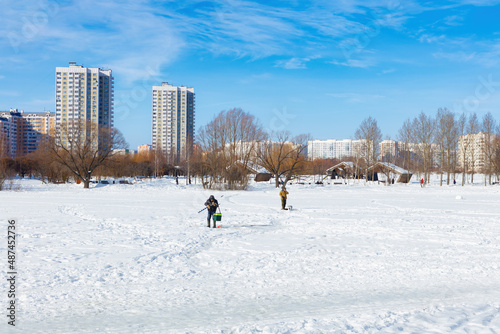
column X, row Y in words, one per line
column 473, row 150
column 331, row 148
column 85, row 95
column 173, row 120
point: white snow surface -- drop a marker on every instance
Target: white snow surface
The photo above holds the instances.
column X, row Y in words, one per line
column 347, row 259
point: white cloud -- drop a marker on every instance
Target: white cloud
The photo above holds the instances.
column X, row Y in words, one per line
column 478, row 2
column 391, row 70
column 455, row 56
column 293, row 64
column 453, row 20
column 486, row 53
column 249, row 29
column 134, row 36
column 491, row 56
column 359, row 63
column 130, row 36
column 428, row 38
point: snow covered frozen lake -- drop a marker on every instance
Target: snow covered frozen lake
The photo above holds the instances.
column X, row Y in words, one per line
column 348, row 259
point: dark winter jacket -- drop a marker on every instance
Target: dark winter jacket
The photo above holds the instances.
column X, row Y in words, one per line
column 212, row 204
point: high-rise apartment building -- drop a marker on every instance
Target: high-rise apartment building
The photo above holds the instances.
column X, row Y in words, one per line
column 84, row 96
column 8, row 134
column 389, row 149
column 173, row 120
column 474, row 149
column 332, row 148
column 22, row 133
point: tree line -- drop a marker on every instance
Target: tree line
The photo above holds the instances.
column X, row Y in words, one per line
column 444, row 143
column 226, row 148
column 234, row 145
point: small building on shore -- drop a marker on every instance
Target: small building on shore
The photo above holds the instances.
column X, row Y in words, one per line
column 391, row 172
column 345, row 170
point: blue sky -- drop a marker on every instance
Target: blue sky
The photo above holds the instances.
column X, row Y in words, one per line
column 317, row 67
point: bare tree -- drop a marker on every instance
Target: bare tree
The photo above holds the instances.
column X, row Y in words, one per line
column 8, row 169
column 369, row 135
column 424, row 129
column 450, row 143
column 229, row 141
column 446, row 139
column 439, row 139
column 4, row 170
column 283, row 155
column 212, row 141
column 405, row 135
column 159, row 159
column 496, row 153
column 488, row 128
column 244, row 135
column 318, row 166
column 4, row 147
column 473, row 129
column 189, row 152
column 82, row 147
column 198, row 164
column 463, row 144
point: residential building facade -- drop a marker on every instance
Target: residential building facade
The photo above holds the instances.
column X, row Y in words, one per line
column 473, row 150
column 84, row 96
column 173, row 120
column 8, row 133
column 144, row 149
column 389, row 149
column 331, row 149
column 22, row 133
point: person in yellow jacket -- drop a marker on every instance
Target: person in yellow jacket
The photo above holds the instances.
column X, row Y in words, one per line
column 283, row 194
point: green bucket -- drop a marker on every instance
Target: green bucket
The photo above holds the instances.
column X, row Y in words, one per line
column 217, row 217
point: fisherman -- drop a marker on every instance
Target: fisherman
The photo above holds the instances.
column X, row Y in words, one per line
column 283, row 194
column 212, row 206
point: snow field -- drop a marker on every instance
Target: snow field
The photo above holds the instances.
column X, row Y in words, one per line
column 347, row 259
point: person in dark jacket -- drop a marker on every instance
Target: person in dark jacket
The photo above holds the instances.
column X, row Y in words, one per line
column 212, row 206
